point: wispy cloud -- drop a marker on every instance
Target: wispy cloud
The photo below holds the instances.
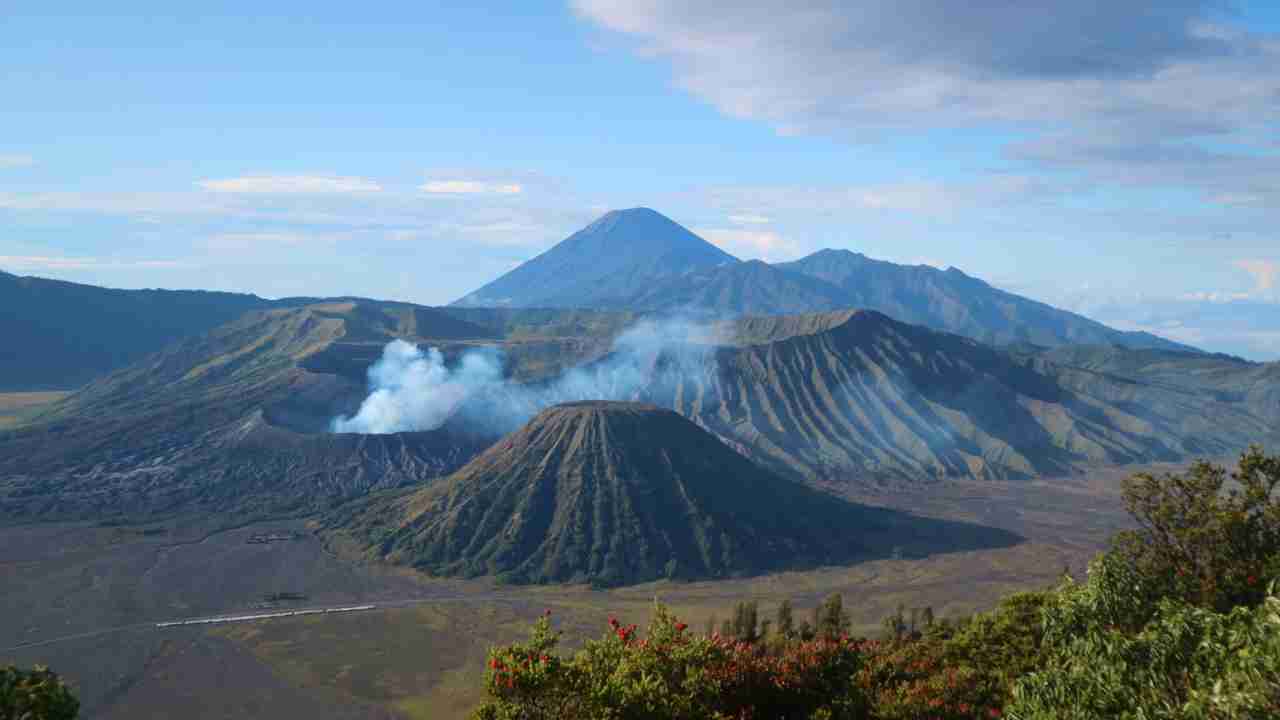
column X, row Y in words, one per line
column 753, row 244
column 470, row 187
column 1213, row 296
column 291, row 185
column 512, row 230
column 921, row 197
column 256, row 240
column 16, row 161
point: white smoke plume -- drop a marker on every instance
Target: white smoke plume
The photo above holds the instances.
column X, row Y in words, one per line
column 413, row 390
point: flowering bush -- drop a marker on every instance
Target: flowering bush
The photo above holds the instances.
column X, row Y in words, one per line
column 955, row 671
column 670, row 673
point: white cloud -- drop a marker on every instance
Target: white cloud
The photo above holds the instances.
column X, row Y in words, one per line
column 1213, row 296
column 920, row 63
column 16, row 161
column 503, row 227
column 749, row 219
column 112, row 203
column 913, row 197
column 291, row 185
column 753, row 244
column 1264, row 273
column 502, row 232
column 1236, row 323
column 25, row 263
column 252, row 240
column 470, row 187
column 1140, row 79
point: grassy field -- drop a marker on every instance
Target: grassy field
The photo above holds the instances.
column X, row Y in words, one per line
column 421, row 653
column 18, row 408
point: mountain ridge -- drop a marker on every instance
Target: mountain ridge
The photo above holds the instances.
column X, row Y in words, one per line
column 958, row 302
column 622, row 262
column 65, row 334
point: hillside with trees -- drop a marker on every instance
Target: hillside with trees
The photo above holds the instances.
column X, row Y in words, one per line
column 1179, row 619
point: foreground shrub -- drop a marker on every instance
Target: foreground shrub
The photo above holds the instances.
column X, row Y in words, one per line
column 1180, row 618
column 37, row 694
column 670, row 673
column 1204, row 537
column 961, row 670
column 1186, row 662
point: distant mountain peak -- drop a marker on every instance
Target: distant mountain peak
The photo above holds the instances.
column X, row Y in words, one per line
column 831, row 252
column 618, row 254
column 639, row 224
column 631, row 213
column 954, row 301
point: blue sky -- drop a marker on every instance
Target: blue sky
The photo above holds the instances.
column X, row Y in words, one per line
column 1104, row 156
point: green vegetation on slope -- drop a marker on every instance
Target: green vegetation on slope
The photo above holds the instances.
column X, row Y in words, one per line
column 65, row 334
column 36, row 694
column 1180, row 619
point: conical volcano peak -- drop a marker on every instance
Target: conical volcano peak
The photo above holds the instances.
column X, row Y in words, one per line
column 637, row 219
column 587, row 408
column 635, row 214
column 615, row 257
column 613, row 492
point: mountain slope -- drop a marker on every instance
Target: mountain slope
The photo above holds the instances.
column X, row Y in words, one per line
column 1255, row 386
column 618, row 493
column 59, row 335
column 952, row 301
column 873, row 399
column 744, row 288
column 234, row 421
column 616, row 256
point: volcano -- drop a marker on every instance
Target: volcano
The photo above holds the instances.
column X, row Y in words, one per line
column 617, row 493
column 621, row 254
